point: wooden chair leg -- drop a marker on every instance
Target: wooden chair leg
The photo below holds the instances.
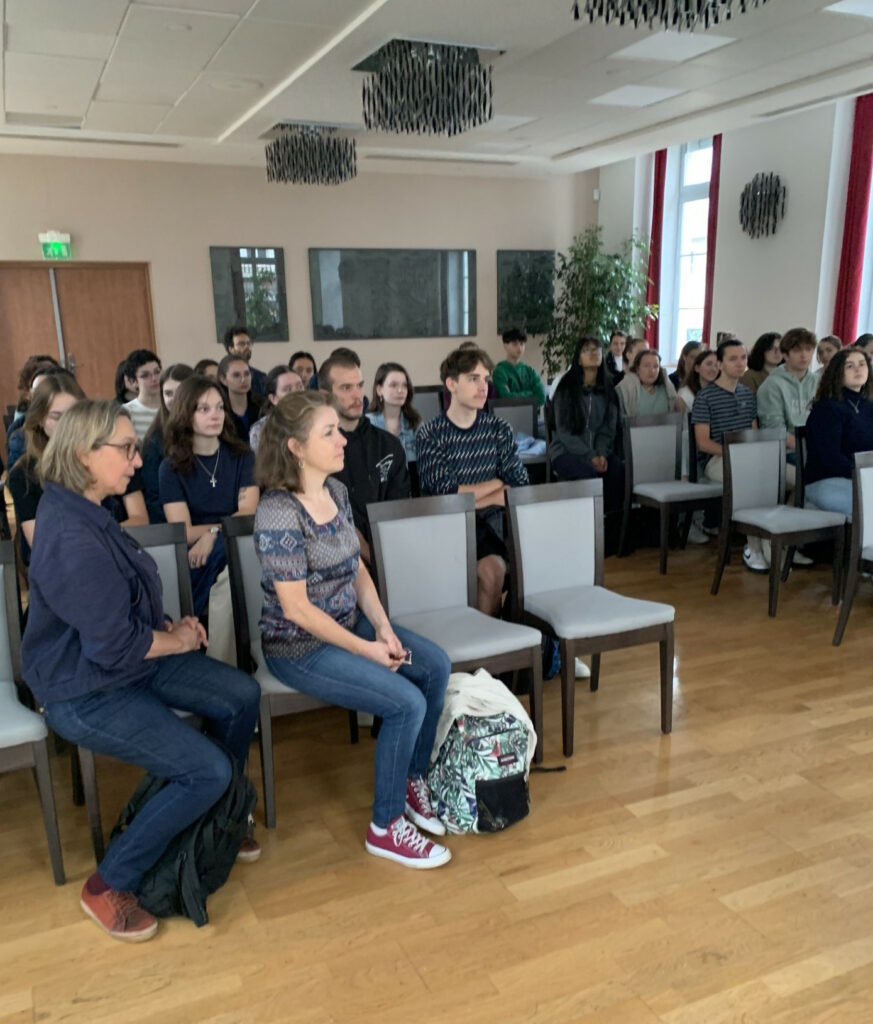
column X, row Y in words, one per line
column 775, row 574
column 839, row 560
column 666, row 651
column 49, row 814
column 625, row 529
column 353, row 727
column 536, row 699
column 724, row 550
column 594, row 683
column 76, row 774
column 268, row 768
column 848, row 601
column 665, row 538
column 92, row 802
column 568, row 697
column 788, row 562
column 686, row 529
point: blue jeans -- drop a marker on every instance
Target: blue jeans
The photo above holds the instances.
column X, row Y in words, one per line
column 134, row 723
column 831, row 495
column 408, row 701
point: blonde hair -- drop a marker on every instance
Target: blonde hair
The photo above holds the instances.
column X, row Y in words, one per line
column 84, row 426
column 291, row 417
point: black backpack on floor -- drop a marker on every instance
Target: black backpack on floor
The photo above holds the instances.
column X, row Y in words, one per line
column 199, row 859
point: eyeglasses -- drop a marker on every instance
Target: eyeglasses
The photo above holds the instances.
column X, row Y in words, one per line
column 130, row 448
column 149, row 375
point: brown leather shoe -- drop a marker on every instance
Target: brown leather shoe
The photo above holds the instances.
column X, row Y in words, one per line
column 119, row 915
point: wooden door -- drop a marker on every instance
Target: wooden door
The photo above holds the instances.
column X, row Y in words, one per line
column 27, row 323
column 106, row 312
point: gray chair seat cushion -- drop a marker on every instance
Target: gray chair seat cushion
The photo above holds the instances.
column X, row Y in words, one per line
column 867, row 554
column 579, row 612
column 678, row 490
column 18, row 724
column 263, row 676
column 466, row 634
column 787, row 518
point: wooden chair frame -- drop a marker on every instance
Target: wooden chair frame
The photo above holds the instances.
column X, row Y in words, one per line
column 857, row 564
column 572, row 647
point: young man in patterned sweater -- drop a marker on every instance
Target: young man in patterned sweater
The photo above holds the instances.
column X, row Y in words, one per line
column 468, row 450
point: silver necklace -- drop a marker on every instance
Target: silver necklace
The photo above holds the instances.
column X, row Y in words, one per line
column 855, row 405
column 213, row 476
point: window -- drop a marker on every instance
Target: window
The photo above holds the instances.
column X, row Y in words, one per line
column 683, row 287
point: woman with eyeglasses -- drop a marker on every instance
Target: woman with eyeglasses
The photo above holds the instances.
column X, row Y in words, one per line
column 56, row 393
column 109, row 667
column 207, row 473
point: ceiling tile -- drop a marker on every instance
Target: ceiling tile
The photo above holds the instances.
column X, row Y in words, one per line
column 333, row 13
column 187, row 38
column 125, row 117
column 56, row 43
column 860, row 8
column 673, row 47
column 101, row 17
column 268, row 49
column 635, row 96
column 139, row 82
column 211, row 104
column 212, row 6
column 57, row 85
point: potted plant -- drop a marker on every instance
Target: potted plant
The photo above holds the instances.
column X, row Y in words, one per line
column 597, row 293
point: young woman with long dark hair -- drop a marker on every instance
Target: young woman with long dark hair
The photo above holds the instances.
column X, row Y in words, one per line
column 392, row 408
column 153, row 443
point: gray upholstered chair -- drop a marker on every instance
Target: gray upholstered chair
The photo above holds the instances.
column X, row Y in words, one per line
column 425, row 554
column 653, row 476
column 168, row 546
column 861, row 544
column 276, row 698
column 23, row 732
column 557, row 572
column 428, row 401
column 754, row 503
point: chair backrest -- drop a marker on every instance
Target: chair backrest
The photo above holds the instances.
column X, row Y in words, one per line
column 653, row 448
column 428, row 402
column 692, row 450
column 754, row 469
column 246, row 593
column 168, row 546
column 557, row 536
column 10, row 628
column 519, row 413
column 425, row 552
column 800, row 453
column 862, row 511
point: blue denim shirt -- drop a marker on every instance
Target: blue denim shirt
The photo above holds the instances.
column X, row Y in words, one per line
column 407, row 434
column 95, row 600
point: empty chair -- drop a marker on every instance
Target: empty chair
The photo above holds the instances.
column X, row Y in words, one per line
column 23, row 732
column 276, row 698
column 557, row 573
column 861, row 544
column 754, row 503
column 653, row 469
column 425, row 553
column 168, row 546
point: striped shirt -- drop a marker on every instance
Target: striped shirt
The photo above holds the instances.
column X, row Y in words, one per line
column 724, row 411
column 450, row 457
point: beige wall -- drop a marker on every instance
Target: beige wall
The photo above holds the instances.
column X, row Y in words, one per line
column 169, row 214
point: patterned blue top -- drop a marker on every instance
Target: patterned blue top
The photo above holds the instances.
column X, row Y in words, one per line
column 450, row 457
column 406, row 436
column 292, row 546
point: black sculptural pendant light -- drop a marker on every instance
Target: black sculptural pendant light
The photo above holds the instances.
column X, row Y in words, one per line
column 423, row 88
column 762, row 205
column 670, row 14
column 310, row 155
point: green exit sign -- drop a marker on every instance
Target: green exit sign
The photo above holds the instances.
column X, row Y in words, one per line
column 56, row 251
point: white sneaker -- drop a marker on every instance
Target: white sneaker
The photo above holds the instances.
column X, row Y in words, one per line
column 800, row 559
column 582, row 670
column 755, row 561
column 697, row 536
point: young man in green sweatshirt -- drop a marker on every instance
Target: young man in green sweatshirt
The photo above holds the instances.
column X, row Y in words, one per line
column 512, row 377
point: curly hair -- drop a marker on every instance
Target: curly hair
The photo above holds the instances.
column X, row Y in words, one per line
column 831, row 384
column 179, row 431
column 760, row 349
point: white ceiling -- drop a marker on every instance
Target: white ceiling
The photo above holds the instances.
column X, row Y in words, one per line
column 202, row 80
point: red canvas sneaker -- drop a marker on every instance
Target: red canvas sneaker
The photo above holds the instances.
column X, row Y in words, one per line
column 119, row 915
column 404, row 844
column 420, row 810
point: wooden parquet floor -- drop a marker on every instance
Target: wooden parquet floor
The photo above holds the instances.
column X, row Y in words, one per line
column 723, row 873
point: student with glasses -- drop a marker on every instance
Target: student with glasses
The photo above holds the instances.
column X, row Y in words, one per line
column 109, row 667
column 144, row 369
column 207, row 473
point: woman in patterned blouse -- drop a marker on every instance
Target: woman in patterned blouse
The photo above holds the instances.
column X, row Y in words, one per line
column 325, row 632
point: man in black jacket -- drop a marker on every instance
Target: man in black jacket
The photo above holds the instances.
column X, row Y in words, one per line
column 375, row 463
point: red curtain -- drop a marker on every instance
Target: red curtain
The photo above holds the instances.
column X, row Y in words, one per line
column 653, row 290
column 855, row 227
column 711, row 229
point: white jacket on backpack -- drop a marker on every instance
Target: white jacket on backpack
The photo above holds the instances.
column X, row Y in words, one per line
column 480, row 695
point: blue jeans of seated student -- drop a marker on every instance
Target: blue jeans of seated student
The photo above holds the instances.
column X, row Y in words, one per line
column 203, row 578
column 833, row 494
column 136, row 724
column 408, row 701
